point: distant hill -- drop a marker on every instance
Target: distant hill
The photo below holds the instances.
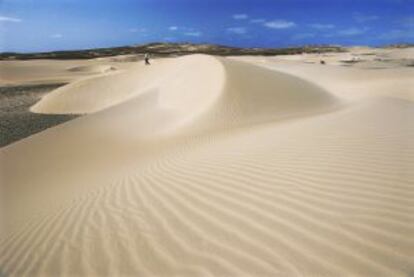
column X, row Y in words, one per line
column 401, row 45
column 167, row 49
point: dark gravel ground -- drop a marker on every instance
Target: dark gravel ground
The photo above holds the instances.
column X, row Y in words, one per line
column 16, row 120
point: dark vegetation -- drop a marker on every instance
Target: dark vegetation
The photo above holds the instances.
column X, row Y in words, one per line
column 168, row 49
column 400, row 46
column 16, row 121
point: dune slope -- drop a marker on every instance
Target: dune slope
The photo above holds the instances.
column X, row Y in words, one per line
column 190, row 172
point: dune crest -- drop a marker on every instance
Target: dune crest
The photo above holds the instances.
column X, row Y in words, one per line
column 172, row 80
column 92, row 68
column 221, row 91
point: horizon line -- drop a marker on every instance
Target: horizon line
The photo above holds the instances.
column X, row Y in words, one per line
column 213, row 44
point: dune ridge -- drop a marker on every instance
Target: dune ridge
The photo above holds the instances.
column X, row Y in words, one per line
column 92, row 68
column 163, row 180
column 218, row 93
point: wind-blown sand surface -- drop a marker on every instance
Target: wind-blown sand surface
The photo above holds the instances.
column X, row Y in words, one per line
column 204, row 166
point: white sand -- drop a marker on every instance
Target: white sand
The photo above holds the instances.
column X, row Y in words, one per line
column 203, row 166
column 53, row 71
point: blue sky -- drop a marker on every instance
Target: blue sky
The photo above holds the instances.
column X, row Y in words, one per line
column 43, row 25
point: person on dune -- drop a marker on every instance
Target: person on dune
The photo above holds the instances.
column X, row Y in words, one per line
column 146, row 58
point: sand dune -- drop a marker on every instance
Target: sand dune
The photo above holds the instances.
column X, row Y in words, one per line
column 53, row 71
column 92, row 68
column 175, row 81
column 202, row 166
column 97, row 93
column 347, row 83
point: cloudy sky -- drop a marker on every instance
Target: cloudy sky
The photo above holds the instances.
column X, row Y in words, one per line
column 43, row 25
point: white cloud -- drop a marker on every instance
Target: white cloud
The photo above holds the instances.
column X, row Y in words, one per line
column 237, row 30
column 193, row 34
column 353, row 31
column 169, row 39
column 361, row 18
column 401, row 35
column 320, row 26
column 240, row 16
column 258, row 20
column 173, row 28
column 9, row 19
column 408, row 21
column 279, row 24
column 56, row 36
column 137, row 30
column 303, row 36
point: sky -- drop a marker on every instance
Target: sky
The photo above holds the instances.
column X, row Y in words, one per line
column 45, row 25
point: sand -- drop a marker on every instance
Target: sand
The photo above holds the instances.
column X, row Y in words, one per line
column 205, row 166
column 36, row 72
